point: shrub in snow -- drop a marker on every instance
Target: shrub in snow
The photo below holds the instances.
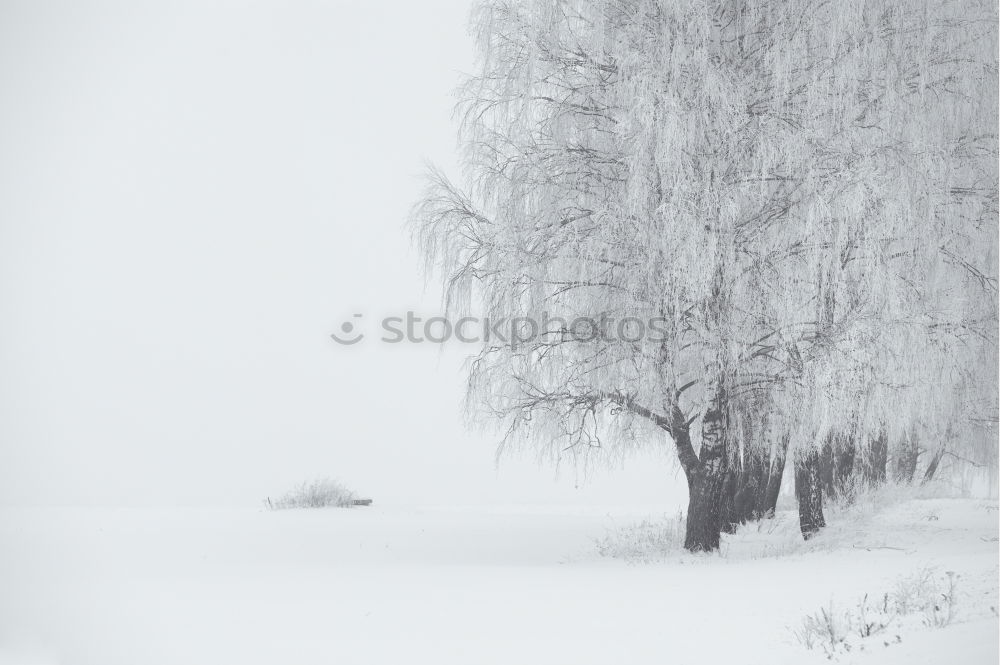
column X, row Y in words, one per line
column 941, row 611
column 320, row 493
column 924, row 595
column 827, row 629
column 915, row 592
column 648, row 540
column 874, row 617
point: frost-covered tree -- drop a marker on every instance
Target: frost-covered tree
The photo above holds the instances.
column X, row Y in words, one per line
column 783, row 192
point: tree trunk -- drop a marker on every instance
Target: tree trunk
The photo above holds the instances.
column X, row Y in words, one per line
column 706, row 479
column 809, row 492
column 907, row 457
column 836, row 466
column 777, row 470
column 749, row 493
column 875, row 461
column 703, row 518
column 933, row 466
column 744, row 488
column 727, row 507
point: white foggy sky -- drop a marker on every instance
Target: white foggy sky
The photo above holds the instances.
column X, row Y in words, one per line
column 192, row 197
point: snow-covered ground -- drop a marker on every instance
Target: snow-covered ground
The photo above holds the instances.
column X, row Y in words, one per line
column 518, row 585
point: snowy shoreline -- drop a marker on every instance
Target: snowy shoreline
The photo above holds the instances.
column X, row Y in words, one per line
column 493, row 585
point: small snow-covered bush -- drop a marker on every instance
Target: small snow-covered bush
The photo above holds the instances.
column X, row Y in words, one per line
column 320, row 493
column 915, row 592
column 863, row 500
column 645, row 541
column 827, row 629
column 923, row 595
column 772, row 537
column 874, row 616
column 928, row 594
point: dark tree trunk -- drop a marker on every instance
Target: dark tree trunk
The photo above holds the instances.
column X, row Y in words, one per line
column 752, row 492
column 906, row 459
column 836, row 466
column 875, row 461
column 744, row 488
column 933, row 466
column 827, row 466
column 809, row 492
column 703, row 518
column 705, row 470
column 846, row 456
column 727, row 507
column 777, row 470
column 707, row 477
column 749, row 493
column 704, row 478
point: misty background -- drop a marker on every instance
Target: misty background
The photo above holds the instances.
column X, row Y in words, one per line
column 193, row 196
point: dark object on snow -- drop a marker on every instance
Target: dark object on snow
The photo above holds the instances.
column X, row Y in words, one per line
column 361, row 502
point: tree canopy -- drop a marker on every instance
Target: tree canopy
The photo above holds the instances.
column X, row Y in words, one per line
column 802, row 195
